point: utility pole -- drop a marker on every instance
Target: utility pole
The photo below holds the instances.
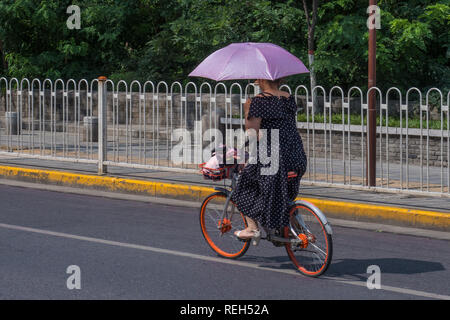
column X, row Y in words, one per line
column 311, row 21
column 372, row 113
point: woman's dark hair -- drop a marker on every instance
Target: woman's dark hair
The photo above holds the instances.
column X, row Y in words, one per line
column 276, row 82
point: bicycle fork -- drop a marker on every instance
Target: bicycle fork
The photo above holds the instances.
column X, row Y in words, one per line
column 225, row 222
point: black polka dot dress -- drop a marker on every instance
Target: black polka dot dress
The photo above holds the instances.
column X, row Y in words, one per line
column 266, row 197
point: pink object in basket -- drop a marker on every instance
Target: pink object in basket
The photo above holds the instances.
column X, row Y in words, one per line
column 212, row 163
column 217, row 158
column 216, row 168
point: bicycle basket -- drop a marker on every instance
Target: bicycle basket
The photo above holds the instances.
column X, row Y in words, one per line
column 215, row 174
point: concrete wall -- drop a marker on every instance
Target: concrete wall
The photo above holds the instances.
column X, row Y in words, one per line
column 392, row 147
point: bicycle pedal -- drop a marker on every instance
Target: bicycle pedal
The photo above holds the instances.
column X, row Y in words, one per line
column 278, row 244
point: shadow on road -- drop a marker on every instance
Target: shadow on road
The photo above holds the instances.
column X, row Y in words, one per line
column 356, row 268
column 276, row 262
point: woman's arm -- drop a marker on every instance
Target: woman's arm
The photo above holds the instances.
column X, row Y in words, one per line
column 252, row 123
column 252, row 126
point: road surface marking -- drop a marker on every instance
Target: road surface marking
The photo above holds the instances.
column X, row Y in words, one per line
column 214, row 259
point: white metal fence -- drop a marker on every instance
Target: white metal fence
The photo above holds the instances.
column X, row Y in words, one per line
column 132, row 125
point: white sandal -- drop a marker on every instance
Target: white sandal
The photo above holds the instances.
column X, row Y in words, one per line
column 255, row 238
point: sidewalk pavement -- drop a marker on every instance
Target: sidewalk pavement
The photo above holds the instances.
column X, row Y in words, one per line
column 418, row 211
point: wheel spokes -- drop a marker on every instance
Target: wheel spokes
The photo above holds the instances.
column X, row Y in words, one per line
column 311, row 255
column 218, row 228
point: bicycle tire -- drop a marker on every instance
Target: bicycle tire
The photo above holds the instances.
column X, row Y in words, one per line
column 220, row 235
column 316, row 240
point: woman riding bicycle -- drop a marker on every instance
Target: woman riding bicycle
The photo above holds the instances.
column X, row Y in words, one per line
column 261, row 197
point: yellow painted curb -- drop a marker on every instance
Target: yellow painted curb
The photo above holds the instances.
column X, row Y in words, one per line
column 106, row 183
column 332, row 208
column 382, row 214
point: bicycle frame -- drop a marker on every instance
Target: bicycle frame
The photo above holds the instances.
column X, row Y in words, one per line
column 229, row 193
column 271, row 237
column 295, row 238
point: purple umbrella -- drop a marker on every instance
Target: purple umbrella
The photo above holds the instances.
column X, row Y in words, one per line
column 249, row 60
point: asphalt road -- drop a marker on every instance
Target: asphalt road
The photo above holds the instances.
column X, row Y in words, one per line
column 135, row 250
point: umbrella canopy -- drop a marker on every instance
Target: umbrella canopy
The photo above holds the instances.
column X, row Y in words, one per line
column 249, row 60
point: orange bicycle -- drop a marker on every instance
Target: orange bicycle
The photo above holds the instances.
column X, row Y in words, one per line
column 307, row 239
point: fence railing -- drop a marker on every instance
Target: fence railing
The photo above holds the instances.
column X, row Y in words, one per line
column 133, row 125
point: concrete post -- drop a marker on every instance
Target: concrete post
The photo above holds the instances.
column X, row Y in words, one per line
column 12, row 122
column 371, row 112
column 90, row 132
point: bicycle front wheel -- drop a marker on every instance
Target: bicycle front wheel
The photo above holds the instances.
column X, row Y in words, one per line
column 311, row 253
column 218, row 228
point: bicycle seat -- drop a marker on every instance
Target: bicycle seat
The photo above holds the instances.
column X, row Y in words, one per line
column 292, row 174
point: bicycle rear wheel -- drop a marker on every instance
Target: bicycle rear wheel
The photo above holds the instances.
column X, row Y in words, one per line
column 218, row 230
column 312, row 255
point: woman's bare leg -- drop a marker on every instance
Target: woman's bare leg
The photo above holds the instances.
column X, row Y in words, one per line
column 252, row 225
column 249, row 231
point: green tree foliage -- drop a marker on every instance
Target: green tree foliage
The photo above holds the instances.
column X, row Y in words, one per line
column 412, row 44
column 37, row 42
column 166, row 39
column 205, row 26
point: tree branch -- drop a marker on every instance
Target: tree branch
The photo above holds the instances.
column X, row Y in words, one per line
column 305, row 7
column 314, row 14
